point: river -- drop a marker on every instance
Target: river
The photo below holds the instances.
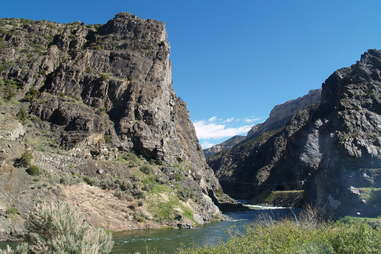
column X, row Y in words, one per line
column 169, row 240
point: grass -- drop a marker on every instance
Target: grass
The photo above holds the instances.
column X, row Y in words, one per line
column 281, row 197
column 372, row 196
column 132, row 158
column 33, row 170
column 106, row 76
column 2, row 43
column 22, row 115
column 165, row 211
column 11, row 211
column 153, row 187
column 146, row 169
column 41, row 143
column 300, row 237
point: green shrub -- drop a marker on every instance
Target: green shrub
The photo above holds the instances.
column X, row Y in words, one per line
column 9, row 86
column 146, row 170
column 31, row 95
column 22, row 115
column 11, row 211
column 105, row 76
column 58, row 228
column 9, row 92
column 25, row 160
column 33, row 170
column 20, row 249
column 300, row 237
column 2, row 43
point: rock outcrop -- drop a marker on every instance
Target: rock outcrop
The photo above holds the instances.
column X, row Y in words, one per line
column 223, row 146
column 91, row 97
column 282, row 113
column 331, row 150
column 247, row 169
column 347, row 166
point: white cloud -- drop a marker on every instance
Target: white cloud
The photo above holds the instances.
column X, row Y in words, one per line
column 213, row 119
column 208, row 130
column 206, row 145
column 229, row 120
column 252, row 120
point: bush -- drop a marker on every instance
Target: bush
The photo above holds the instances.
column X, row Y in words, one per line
column 9, row 92
column 21, row 249
column 25, row 160
column 11, row 211
column 31, row 95
column 300, row 237
column 10, row 88
column 33, row 170
column 58, row 228
column 22, row 115
column 105, row 76
column 146, row 170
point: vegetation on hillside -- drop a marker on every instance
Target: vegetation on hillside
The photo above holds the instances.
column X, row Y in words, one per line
column 58, row 228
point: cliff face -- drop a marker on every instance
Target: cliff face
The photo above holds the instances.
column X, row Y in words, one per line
column 347, row 177
column 223, row 146
column 250, row 168
column 331, row 150
column 94, row 97
column 282, row 113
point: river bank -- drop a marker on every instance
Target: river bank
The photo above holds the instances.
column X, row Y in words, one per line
column 170, row 240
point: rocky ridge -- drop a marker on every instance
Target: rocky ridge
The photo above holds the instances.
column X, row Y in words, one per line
column 331, row 150
column 223, row 146
column 93, row 105
column 244, row 169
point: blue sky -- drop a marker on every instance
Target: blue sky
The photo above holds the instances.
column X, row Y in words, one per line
column 234, row 60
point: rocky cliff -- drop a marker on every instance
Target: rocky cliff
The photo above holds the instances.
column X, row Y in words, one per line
column 282, row 113
column 331, row 150
column 223, row 146
column 89, row 115
column 279, row 116
column 245, row 170
column 345, row 134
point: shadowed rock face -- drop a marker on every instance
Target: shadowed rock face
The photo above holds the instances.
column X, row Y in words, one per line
column 332, row 150
column 349, row 141
column 102, row 91
column 250, row 168
column 223, row 146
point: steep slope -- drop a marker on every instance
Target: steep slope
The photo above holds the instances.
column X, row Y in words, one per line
column 331, row 150
column 223, row 146
column 347, row 179
column 90, row 109
column 245, row 169
column 282, row 113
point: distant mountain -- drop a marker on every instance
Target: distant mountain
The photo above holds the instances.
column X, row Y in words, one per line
column 223, row 146
column 282, row 113
column 232, row 160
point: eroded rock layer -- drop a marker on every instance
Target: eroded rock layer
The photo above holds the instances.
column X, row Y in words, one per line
column 330, row 150
column 94, row 104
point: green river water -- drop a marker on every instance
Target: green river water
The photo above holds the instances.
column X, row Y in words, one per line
column 168, row 241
